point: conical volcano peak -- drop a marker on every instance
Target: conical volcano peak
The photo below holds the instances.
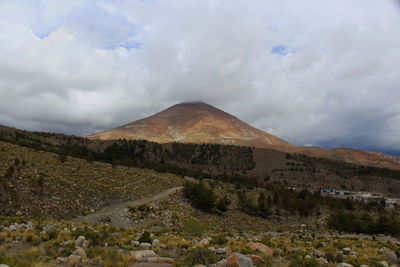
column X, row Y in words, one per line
column 194, row 122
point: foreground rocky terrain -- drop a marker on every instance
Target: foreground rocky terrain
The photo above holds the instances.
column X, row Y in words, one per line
column 58, row 210
column 61, row 243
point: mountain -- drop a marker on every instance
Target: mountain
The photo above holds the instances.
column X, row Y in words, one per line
column 195, row 123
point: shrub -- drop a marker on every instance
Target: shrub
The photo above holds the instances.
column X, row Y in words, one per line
column 355, row 261
column 219, row 239
column 145, row 238
column 200, row 196
column 194, row 228
column 200, row 256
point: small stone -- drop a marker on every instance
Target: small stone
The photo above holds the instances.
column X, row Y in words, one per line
column 4, row 265
column 13, row 228
column 384, row 263
column 322, row 261
column 156, row 243
column 145, row 245
column 306, row 257
column 204, row 242
column 79, row 241
column 343, row 264
column 346, row 250
column 61, row 260
column 391, row 256
column 135, row 243
column 85, row 244
column 220, row 251
column 143, row 254
column 18, row 213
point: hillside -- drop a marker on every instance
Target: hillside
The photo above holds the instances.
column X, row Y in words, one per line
column 224, row 162
column 40, row 184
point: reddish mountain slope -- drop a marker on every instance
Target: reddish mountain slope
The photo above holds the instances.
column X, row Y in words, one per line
column 194, row 123
column 202, row 123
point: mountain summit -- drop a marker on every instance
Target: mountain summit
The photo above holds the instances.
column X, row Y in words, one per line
column 194, row 122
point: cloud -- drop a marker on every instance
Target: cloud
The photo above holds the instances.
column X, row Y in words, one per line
column 309, row 72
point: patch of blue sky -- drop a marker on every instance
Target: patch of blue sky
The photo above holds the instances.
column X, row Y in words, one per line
column 127, row 45
column 282, row 50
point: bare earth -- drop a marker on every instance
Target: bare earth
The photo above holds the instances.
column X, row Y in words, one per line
column 117, row 214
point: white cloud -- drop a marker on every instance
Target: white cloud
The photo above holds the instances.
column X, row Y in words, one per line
column 82, row 66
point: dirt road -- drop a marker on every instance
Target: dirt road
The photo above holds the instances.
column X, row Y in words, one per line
column 117, row 214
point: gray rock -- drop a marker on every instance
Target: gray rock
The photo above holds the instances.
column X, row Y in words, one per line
column 13, row 228
column 61, row 260
column 221, row 263
column 384, row 263
column 4, row 265
column 220, row 251
column 79, row 241
column 204, row 242
column 391, row 256
column 307, row 257
column 343, row 264
column 143, row 254
column 156, row 243
column 244, row 261
column 74, row 259
column 85, row 244
column 80, row 252
column 346, row 250
column 145, row 245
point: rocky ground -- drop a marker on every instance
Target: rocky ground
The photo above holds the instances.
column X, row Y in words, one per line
column 61, row 243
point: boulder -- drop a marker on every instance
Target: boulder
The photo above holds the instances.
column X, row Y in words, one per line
column 260, row 247
column 80, row 252
column 143, row 254
column 74, row 259
column 238, row 260
column 257, row 260
column 79, row 241
column 158, row 260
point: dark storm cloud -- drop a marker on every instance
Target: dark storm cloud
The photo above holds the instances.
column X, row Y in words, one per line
column 310, row 72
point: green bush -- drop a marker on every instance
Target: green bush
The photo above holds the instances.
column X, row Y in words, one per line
column 200, row 256
column 355, row 261
column 145, row 238
column 200, row 196
column 194, row 228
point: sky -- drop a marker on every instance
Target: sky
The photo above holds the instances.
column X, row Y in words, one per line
column 313, row 72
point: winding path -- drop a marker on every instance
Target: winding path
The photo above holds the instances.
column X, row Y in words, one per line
column 117, row 215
